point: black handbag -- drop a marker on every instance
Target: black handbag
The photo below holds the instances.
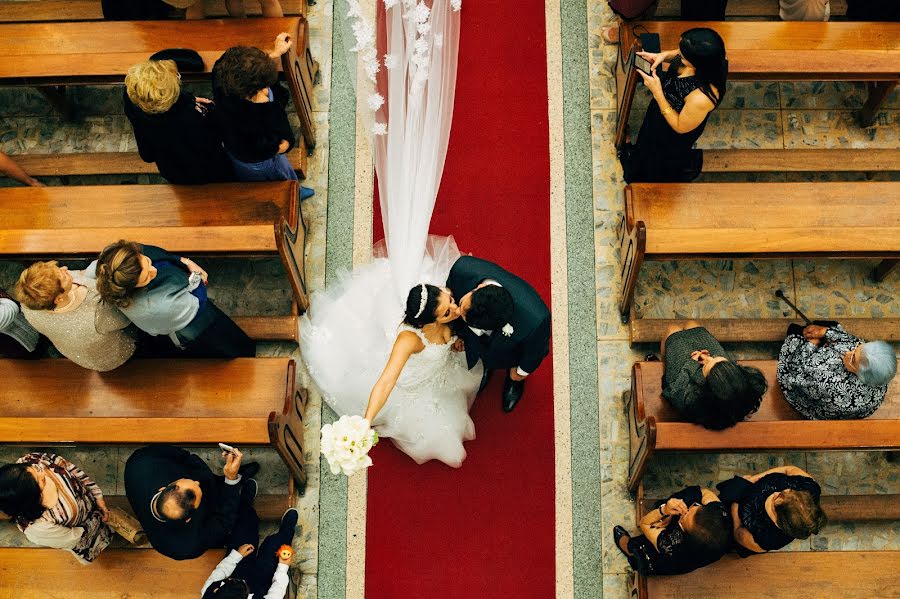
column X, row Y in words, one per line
column 187, row 60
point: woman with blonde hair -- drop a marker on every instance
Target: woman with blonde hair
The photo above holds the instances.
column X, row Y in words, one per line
column 165, row 294
column 172, row 127
column 64, row 305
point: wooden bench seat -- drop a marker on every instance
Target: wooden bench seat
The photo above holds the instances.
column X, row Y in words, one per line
column 222, row 218
column 24, row 11
column 245, row 401
column 781, row 51
column 646, row 330
column 825, row 160
column 115, row 163
column 781, row 575
column 45, row 55
column 115, row 574
column 688, row 221
column 655, row 426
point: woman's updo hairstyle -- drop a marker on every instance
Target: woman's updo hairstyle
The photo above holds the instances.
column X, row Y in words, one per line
column 799, row 514
column 705, row 49
column 118, row 271
column 419, row 313
column 732, row 393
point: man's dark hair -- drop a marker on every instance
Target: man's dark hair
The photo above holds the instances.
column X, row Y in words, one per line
column 491, row 308
column 732, row 393
column 230, row 588
column 243, row 71
column 711, row 531
column 181, row 502
column 20, row 495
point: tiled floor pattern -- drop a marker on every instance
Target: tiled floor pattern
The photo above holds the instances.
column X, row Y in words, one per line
column 29, row 125
column 753, row 115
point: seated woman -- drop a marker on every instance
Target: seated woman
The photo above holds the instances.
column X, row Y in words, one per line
column 771, row 509
column 828, row 374
column 702, row 381
column 55, row 504
column 66, row 307
column 689, row 530
column 684, row 95
column 165, row 294
column 173, row 128
column 18, row 339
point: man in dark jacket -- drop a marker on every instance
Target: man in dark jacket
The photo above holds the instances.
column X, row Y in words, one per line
column 506, row 323
column 182, row 506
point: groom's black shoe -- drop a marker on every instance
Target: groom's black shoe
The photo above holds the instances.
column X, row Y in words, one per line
column 512, row 393
column 485, row 379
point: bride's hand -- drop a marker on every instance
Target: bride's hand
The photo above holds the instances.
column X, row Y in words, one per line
column 458, row 345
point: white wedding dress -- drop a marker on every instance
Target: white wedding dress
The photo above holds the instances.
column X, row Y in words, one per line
column 346, row 339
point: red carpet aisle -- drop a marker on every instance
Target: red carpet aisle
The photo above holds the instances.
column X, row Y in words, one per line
column 487, row 529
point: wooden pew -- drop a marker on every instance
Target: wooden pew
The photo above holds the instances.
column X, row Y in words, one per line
column 655, row 426
column 236, row 401
column 825, row 160
column 645, row 330
column 689, row 221
column 116, row 163
column 781, row 575
column 216, row 219
column 782, row 51
column 52, row 55
column 34, row 11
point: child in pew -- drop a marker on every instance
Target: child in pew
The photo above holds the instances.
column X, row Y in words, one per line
column 251, row 112
column 247, row 573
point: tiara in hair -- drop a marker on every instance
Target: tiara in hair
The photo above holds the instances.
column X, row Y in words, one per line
column 423, row 299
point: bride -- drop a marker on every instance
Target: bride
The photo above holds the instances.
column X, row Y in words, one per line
column 378, row 343
column 396, row 366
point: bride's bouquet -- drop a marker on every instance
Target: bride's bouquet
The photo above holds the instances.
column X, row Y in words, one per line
column 346, row 444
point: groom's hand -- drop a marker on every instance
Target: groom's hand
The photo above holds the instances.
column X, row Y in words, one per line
column 514, row 375
column 458, row 345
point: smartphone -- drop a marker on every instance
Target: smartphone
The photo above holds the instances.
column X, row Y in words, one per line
column 643, row 65
column 226, row 448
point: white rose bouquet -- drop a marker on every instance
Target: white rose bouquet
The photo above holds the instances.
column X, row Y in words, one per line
column 346, row 444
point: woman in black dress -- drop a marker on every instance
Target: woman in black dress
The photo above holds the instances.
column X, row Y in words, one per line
column 689, row 530
column 771, row 509
column 683, row 97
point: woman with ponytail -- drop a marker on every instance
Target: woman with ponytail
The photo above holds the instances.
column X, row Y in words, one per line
column 165, row 295
column 684, row 95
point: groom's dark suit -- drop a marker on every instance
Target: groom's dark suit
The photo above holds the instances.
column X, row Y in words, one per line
column 530, row 342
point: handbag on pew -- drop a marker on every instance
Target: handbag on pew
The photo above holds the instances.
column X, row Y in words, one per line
column 134, row 10
column 187, row 60
column 126, row 526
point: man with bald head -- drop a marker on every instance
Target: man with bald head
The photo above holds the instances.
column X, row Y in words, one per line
column 183, row 507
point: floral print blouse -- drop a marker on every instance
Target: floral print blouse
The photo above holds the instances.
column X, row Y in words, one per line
column 816, row 383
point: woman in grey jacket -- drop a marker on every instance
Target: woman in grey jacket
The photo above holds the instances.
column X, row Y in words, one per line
column 165, row 294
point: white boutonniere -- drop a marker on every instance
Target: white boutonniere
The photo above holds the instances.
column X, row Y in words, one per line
column 507, row 330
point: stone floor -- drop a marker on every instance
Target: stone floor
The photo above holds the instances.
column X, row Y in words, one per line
column 753, row 115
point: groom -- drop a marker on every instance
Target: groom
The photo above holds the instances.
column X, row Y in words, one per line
column 506, row 323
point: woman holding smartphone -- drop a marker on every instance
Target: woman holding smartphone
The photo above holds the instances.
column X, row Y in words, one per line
column 687, row 84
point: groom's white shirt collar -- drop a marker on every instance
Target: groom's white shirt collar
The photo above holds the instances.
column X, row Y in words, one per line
column 488, row 332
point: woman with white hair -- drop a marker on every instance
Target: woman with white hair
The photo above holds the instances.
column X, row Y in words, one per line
column 826, row 373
